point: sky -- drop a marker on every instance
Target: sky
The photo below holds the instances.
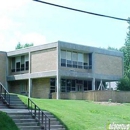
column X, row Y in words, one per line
column 27, row 21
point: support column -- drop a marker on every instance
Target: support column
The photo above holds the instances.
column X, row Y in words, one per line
column 93, row 84
column 29, row 80
column 30, row 87
column 58, row 87
column 58, row 74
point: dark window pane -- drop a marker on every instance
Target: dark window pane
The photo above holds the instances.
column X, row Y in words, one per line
column 74, row 64
column 79, row 81
column 22, row 67
column 27, row 65
column 18, row 66
column 69, row 63
column 13, row 70
column 68, row 88
column 86, row 66
column 80, row 65
column 85, row 85
column 90, row 59
column 52, row 82
column 63, row 62
column 63, row 82
column 89, row 85
column 69, row 82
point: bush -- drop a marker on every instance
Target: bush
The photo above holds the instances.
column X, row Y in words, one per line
column 124, row 84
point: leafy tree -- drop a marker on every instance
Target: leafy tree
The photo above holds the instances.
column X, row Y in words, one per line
column 28, row 45
column 126, row 51
column 112, row 48
column 124, row 83
column 20, row 46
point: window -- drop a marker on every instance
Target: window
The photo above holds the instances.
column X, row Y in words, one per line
column 73, row 88
column 63, row 58
column 89, row 85
column 63, row 85
column 18, row 66
column 52, row 85
column 86, row 66
column 13, row 64
column 63, row 62
column 69, row 61
column 27, row 65
column 69, row 85
column 22, row 67
column 74, row 59
column 86, row 61
column 85, row 85
column 22, row 62
column 90, row 61
column 80, row 60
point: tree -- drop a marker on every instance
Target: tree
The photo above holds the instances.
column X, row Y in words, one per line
column 124, row 83
column 20, row 46
column 112, row 48
column 126, row 51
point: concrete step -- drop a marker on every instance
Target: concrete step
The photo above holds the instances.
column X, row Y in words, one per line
column 21, row 117
column 18, row 106
column 23, row 120
column 29, row 128
column 27, row 124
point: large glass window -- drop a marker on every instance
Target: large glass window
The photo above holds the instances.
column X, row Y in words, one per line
column 76, row 59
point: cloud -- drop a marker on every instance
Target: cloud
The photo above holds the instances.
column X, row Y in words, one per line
column 35, row 38
column 12, row 5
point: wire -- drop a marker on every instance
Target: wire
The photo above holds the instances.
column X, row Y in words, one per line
column 82, row 11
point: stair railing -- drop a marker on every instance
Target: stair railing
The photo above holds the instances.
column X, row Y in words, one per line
column 4, row 94
column 39, row 115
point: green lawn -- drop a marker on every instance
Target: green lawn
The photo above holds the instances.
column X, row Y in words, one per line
column 84, row 115
column 6, row 122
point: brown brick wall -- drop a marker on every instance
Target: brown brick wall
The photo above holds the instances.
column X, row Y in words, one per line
column 41, row 88
column 18, row 87
column 44, row 60
column 3, row 63
column 108, row 65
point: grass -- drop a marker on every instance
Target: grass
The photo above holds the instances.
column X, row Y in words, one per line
column 6, row 122
column 84, row 115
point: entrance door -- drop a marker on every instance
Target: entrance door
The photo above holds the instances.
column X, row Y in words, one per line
column 79, row 87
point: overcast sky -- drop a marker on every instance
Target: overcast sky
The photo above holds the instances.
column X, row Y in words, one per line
column 27, row 21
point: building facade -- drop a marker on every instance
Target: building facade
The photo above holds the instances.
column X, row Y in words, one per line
column 59, row 67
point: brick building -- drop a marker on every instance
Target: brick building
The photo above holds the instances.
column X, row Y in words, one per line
column 60, row 67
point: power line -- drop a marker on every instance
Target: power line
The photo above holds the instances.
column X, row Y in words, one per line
column 82, row 11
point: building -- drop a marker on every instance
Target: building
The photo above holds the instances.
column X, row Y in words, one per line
column 39, row 71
